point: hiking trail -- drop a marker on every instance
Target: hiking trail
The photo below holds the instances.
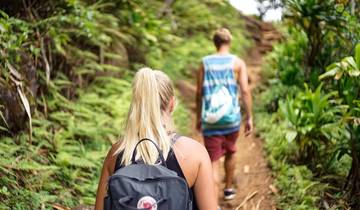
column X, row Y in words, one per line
column 253, row 179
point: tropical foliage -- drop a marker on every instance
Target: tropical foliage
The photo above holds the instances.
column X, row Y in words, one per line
column 309, row 113
column 65, row 77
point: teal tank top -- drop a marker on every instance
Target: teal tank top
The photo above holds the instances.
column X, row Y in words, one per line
column 220, row 113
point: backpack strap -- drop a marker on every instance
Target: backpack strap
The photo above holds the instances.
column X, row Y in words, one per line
column 161, row 156
column 174, row 138
column 118, row 164
column 119, row 157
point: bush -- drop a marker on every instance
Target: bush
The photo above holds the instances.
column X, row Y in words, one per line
column 314, row 132
column 331, row 28
column 285, row 62
column 314, row 124
column 297, row 186
column 347, row 84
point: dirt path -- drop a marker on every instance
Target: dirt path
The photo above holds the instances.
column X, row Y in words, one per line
column 253, row 177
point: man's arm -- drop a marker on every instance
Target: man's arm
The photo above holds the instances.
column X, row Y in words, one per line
column 200, row 80
column 245, row 94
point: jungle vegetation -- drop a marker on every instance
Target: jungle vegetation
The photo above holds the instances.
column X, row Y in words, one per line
column 309, row 107
column 65, row 78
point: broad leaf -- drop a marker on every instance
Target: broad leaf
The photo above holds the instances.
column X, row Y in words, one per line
column 290, row 135
column 354, row 72
column 3, row 128
column 339, row 74
column 350, row 60
column 357, row 55
column 331, row 72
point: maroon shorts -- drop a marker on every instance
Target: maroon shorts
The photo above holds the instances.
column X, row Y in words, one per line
column 218, row 145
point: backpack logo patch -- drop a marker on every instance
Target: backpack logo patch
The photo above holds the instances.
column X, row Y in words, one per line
column 147, row 202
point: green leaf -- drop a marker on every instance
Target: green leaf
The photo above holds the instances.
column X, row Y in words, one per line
column 357, row 55
column 354, row 73
column 2, row 13
column 4, row 191
column 28, row 165
column 332, row 70
column 290, row 135
column 342, row 152
column 350, row 61
column 3, row 128
column 66, row 159
column 339, row 7
column 339, row 74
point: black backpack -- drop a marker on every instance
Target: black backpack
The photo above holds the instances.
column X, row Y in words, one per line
column 147, row 187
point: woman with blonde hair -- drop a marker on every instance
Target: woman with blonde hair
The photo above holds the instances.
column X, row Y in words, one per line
column 149, row 116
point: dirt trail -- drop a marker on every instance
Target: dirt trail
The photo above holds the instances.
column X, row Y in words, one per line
column 253, row 177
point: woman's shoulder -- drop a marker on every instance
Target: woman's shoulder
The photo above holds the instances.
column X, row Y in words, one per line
column 190, row 154
column 188, row 141
column 190, row 147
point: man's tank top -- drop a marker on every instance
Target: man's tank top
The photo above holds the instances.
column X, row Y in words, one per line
column 219, row 72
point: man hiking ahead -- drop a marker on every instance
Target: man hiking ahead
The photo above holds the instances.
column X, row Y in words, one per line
column 218, row 110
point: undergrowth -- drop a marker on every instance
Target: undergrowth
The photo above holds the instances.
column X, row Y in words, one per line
column 72, row 63
column 297, row 189
column 303, row 121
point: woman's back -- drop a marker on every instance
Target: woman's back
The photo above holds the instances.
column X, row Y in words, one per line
column 194, row 163
column 152, row 104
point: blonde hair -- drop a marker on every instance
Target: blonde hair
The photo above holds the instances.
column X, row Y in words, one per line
column 151, row 95
column 222, row 36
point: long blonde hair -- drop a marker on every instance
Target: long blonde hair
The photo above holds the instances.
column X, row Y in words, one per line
column 152, row 91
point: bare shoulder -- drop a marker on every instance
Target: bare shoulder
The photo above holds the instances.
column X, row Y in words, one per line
column 190, row 147
column 189, row 142
column 240, row 63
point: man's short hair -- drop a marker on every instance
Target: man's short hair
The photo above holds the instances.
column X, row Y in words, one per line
column 222, row 36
